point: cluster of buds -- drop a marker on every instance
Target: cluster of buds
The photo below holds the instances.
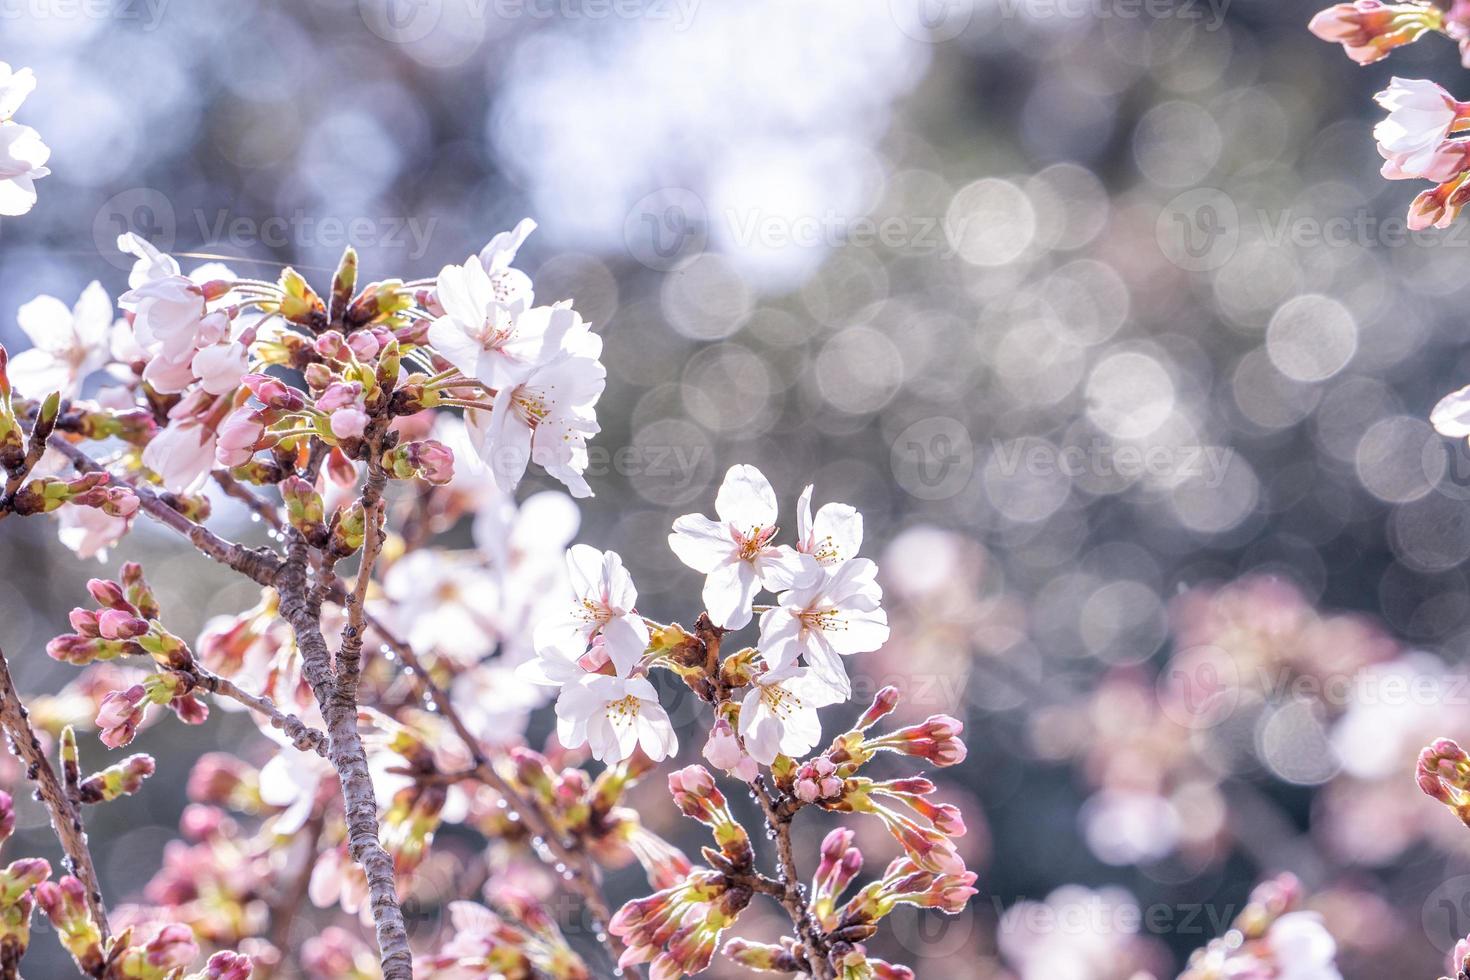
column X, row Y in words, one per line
column 125, row 622
column 48, row 493
column 17, row 452
column 1271, row 937
column 1444, row 775
column 523, row 942
column 677, row 929
column 161, row 953
column 121, row 713
column 1369, row 29
column 1415, row 140
column 589, row 813
column 18, row 882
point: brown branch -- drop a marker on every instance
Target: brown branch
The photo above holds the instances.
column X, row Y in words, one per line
column 345, row 749
column 349, row 655
column 349, row 758
column 260, row 565
column 790, row 882
column 66, row 817
column 302, row 735
column 263, row 509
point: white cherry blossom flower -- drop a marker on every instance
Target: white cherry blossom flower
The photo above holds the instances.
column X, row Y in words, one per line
column 735, row 553
column 1420, row 117
column 168, row 314
column 512, row 285
column 182, row 453
column 14, row 87
column 219, row 367
column 835, row 535
column 151, row 263
column 444, row 603
column 612, row 716
column 22, row 162
column 69, row 344
column 835, row 617
column 778, row 715
column 547, row 417
column 601, row 603
column 489, row 339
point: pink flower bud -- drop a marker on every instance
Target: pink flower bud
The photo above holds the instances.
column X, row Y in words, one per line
column 119, row 624
column 349, row 423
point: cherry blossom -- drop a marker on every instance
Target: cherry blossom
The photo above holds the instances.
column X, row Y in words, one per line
column 1412, row 138
column 837, row 616
column 612, row 716
column 779, row 713
column 22, row 153
column 512, row 286
column 735, row 552
column 488, row 339
column 70, row 344
column 834, row 536
column 545, row 416
column 603, row 597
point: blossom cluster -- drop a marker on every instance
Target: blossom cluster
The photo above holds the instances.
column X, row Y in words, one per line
column 1420, row 139
column 394, row 698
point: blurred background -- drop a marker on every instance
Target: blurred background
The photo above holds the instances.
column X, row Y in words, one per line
column 1097, row 309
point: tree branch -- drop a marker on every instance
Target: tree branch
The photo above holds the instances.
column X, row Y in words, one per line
column 66, row 817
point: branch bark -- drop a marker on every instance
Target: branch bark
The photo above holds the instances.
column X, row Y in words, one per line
column 66, row 817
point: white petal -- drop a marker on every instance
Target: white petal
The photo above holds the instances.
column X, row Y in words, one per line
column 745, row 499
column 701, row 543
column 729, row 592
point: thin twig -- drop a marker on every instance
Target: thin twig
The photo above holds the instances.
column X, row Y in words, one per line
column 302, row 735
column 260, row 565
column 66, row 818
